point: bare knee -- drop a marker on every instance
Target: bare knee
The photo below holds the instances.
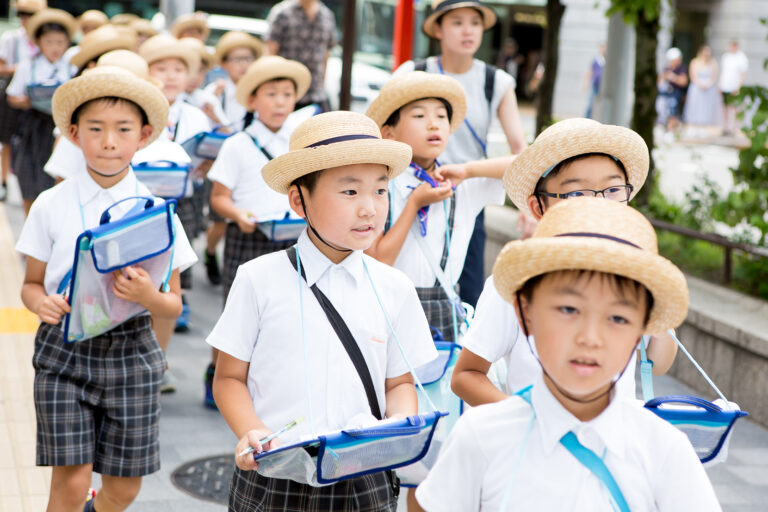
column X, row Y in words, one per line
column 69, row 486
column 117, row 493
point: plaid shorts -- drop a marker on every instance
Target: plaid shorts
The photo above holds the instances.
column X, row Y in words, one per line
column 31, row 151
column 206, row 195
column 98, row 400
column 252, row 492
column 241, row 247
column 9, row 116
column 438, row 310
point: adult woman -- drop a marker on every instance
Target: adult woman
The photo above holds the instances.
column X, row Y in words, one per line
column 703, row 106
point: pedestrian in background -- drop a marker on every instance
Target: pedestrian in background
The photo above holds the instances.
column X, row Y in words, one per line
column 305, row 31
column 703, row 105
column 672, row 83
column 595, row 76
column 734, row 66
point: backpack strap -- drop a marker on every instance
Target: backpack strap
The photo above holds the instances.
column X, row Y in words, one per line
column 346, row 337
column 490, row 82
column 420, row 65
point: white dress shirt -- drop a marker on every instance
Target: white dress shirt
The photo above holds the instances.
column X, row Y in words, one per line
column 234, row 111
column 652, row 462
column 262, row 325
column 39, row 70
column 16, row 47
column 50, row 232
column 200, row 97
column 185, row 121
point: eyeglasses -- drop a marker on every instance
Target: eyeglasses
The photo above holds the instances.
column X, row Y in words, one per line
column 619, row 193
column 240, row 60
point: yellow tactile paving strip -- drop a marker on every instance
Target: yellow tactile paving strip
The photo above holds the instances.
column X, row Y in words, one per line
column 23, row 487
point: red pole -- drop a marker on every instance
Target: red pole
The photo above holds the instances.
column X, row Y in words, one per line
column 402, row 47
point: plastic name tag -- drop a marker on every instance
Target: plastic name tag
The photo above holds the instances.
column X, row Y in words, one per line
column 144, row 238
column 40, row 96
column 282, row 230
column 164, row 178
column 351, row 453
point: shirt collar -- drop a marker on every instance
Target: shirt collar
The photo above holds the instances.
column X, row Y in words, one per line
column 555, row 421
column 264, row 135
column 89, row 189
column 315, row 263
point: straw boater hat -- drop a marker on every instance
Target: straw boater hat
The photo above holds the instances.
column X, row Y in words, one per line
column 92, row 18
column 268, row 68
column 143, row 27
column 206, row 57
column 57, row 16
column 164, row 46
column 570, row 138
column 416, row 85
column 124, row 18
column 331, row 140
column 29, row 5
column 103, row 81
column 440, row 7
column 100, row 41
column 604, row 236
column 188, row 21
column 131, row 61
column 236, row 39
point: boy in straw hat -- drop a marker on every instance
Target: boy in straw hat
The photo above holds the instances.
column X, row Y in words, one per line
column 52, row 30
column 98, row 42
column 270, row 89
column 585, row 287
column 193, row 25
column 97, row 400
column 15, row 47
column 197, row 96
column 335, row 175
column 427, row 210
column 572, row 158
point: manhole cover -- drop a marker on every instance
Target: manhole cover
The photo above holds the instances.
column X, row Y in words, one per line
column 207, row 479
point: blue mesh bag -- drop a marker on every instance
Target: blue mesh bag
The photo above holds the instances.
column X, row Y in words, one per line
column 204, row 146
column 164, row 178
column 143, row 237
column 708, row 425
column 282, row 230
column 40, row 96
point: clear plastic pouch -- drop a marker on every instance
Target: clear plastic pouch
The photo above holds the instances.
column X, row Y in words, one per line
column 143, row 237
column 40, row 96
column 204, row 146
column 164, row 178
column 282, row 230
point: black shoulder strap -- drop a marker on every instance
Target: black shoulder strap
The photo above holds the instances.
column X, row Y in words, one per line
column 420, row 65
column 342, row 331
column 490, row 79
column 266, row 153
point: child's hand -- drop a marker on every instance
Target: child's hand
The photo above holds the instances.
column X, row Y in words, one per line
column 425, row 194
column 220, row 85
column 52, row 308
column 246, row 222
column 133, row 284
column 210, row 112
column 526, row 225
column 22, row 103
column 455, row 173
column 201, row 171
column 246, row 462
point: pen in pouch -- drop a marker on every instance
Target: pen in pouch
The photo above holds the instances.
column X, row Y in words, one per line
column 272, row 436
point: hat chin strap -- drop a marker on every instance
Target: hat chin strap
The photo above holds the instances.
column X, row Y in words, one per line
column 107, row 175
column 306, row 214
column 560, row 389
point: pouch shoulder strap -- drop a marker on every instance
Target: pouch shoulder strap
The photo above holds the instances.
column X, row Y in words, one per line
column 596, row 465
column 261, row 148
column 344, row 334
column 420, row 65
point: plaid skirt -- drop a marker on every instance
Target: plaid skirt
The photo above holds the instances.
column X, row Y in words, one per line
column 438, row 310
column 98, row 400
column 31, row 150
column 250, row 491
column 9, row 116
column 206, row 196
column 240, row 247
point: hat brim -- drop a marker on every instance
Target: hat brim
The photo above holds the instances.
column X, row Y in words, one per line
column 189, row 56
column 223, row 48
column 181, row 26
column 520, row 261
column 92, row 51
column 285, row 169
column 418, row 88
column 57, row 16
column 286, row 69
column 489, row 16
column 120, row 84
column 526, row 170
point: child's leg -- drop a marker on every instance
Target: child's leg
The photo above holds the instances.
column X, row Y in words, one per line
column 69, row 487
column 116, row 493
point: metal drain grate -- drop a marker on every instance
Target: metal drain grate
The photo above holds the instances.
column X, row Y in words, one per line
column 207, row 479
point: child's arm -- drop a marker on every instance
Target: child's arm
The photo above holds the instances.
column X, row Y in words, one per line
column 230, row 390
column 470, row 380
column 662, row 350
column 20, row 102
column 221, row 202
column 400, row 396
column 50, row 308
column 134, row 284
column 486, row 168
column 387, row 246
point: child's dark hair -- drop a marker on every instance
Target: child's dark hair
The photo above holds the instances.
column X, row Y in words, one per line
column 394, row 117
column 109, row 101
column 541, row 184
column 47, row 28
column 623, row 286
column 439, row 20
column 248, row 119
column 308, row 181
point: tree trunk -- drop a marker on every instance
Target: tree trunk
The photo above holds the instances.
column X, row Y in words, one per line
column 644, row 110
column 551, row 49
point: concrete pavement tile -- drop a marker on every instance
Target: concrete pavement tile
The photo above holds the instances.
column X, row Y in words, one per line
column 34, row 481
column 34, row 503
column 753, row 475
column 12, row 504
column 9, row 483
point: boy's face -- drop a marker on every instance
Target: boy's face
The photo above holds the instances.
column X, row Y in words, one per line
column 53, row 45
column 195, row 32
column 274, row 101
column 460, row 31
column 585, row 330
column 591, row 173
column 196, row 80
column 173, row 73
column 348, row 206
column 236, row 62
column 424, row 126
column 109, row 136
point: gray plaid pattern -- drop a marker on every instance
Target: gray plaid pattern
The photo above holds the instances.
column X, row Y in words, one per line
column 205, row 199
column 98, row 400
column 9, row 116
column 241, row 247
column 31, row 151
column 303, row 40
column 250, row 491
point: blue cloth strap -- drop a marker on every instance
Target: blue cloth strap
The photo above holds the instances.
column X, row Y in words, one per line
column 596, row 465
column 646, row 370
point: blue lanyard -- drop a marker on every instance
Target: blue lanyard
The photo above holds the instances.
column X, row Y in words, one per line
column 466, row 122
column 423, row 175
